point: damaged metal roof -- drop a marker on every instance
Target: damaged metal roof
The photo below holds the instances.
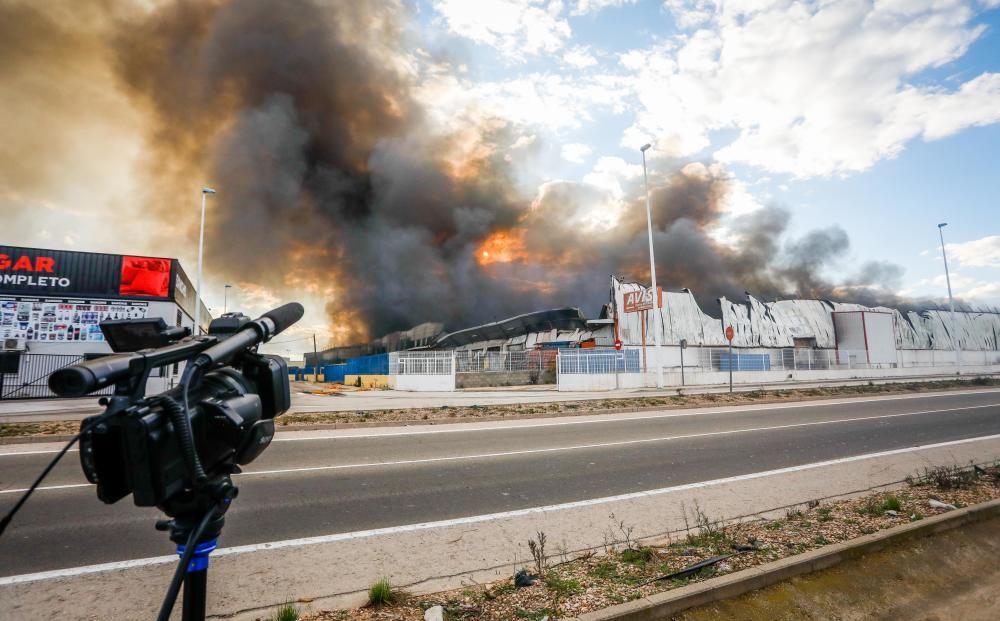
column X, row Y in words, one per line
column 779, row 323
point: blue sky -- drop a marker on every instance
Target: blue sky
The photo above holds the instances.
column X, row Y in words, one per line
column 878, row 117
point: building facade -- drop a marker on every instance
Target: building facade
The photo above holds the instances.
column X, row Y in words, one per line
column 53, row 301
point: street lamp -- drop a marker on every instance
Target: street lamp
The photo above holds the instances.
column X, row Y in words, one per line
column 225, row 298
column 951, row 301
column 657, row 320
column 201, row 244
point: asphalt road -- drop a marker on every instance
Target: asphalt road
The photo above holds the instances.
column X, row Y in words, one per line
column 354, row 481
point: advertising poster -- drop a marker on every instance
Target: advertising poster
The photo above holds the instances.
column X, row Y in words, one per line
column 63, row 320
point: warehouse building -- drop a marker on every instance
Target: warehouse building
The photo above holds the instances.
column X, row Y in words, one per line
column 53, row 301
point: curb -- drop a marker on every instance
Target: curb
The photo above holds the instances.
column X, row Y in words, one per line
column 663, row 605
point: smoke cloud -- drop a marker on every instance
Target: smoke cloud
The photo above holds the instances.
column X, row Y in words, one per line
column 333, row 178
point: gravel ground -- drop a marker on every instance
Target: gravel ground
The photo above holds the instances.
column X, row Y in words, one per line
column 628, row 569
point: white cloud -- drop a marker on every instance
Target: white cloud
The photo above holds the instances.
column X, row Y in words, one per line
column 812, row 88
column 579, row 57
column 984, row 252
column 575, row 152
column 583, row 7
column 984, row 292
column 517, row 28
column 611, row 174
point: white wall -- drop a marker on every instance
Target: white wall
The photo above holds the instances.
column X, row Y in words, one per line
column 422, row 383
column 880, row 338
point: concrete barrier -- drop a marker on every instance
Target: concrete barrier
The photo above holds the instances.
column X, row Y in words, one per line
column 665, row 605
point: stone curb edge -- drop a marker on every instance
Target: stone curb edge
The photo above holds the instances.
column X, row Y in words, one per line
column 663, row 605
column 492, row 419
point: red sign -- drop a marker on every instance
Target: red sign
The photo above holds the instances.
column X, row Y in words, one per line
column 618, row 344
column 729, row 333
column 641, row 300
column 145, row 276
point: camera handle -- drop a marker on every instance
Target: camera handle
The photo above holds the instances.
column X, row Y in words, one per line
column 200, row 531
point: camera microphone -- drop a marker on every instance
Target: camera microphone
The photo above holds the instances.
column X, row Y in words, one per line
column 258, row 331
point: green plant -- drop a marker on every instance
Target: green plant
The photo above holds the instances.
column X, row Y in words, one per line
column 286, row 613
column 820, row 540
column 605, row 570
column 381, row 593
column 824, row 514
column 945, row 477
column 563, row 587
column 639, row 556
column 891, row 503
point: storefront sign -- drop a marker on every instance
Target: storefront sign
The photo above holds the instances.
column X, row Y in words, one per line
column 641, row 300
column 33, row 271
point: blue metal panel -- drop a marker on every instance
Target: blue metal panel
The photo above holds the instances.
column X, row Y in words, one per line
column 744, row 362
column 377, row 364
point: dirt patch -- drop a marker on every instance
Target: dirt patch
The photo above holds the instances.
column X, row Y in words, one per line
column 629, row 569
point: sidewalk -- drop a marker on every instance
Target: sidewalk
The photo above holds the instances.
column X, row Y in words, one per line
column 335, row 570
column 39, row 410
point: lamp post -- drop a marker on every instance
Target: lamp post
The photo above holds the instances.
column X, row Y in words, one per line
column 951, row 301
column 225, row 298
column 657, row 320
column 201, row 244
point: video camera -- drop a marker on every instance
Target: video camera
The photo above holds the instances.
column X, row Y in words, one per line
column 173, row 455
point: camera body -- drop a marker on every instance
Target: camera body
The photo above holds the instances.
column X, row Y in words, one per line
column 136, row 448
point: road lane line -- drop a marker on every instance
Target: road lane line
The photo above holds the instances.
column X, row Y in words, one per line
column 476, row 519
column 606, row 418
column 556, row 449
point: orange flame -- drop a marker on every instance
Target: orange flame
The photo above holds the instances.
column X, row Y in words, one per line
column 504, row 246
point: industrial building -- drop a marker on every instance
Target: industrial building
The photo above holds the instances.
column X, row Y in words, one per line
column 52, row 302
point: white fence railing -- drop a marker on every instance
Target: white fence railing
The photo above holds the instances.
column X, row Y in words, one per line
column 598, row 361
column 422, row 363
column 807, row 359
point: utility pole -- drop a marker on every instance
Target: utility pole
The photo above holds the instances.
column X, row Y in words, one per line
column 657, row 319
column 951, row 302
column 315, row 361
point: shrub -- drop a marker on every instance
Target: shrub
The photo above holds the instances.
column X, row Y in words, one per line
column 286, row 613
column 381, row 593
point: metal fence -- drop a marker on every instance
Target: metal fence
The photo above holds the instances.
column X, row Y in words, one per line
column 598, row 361
column 504, row 361
column 705, row 359
column 422, row 363
column 808, row 359
column 26, row 376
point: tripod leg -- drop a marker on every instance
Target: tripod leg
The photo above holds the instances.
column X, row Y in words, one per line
column 195, row 590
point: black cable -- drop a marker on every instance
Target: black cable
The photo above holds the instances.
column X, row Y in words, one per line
column 185, row 435
column 52, row 464
column 185, row 439
column 175, row 583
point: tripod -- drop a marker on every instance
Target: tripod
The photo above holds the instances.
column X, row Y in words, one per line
column 196, row 535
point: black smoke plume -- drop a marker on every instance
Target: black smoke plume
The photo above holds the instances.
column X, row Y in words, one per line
column 333, row 179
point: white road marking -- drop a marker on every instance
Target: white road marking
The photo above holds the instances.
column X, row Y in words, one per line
column 556, row 449
column 339, row 434
column 476, row 519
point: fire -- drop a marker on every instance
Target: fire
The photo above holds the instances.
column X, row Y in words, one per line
column 501, row 247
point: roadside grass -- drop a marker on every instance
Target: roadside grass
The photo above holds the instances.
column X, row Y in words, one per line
column 286, row 613
column 632, row 567
column 381, row 593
